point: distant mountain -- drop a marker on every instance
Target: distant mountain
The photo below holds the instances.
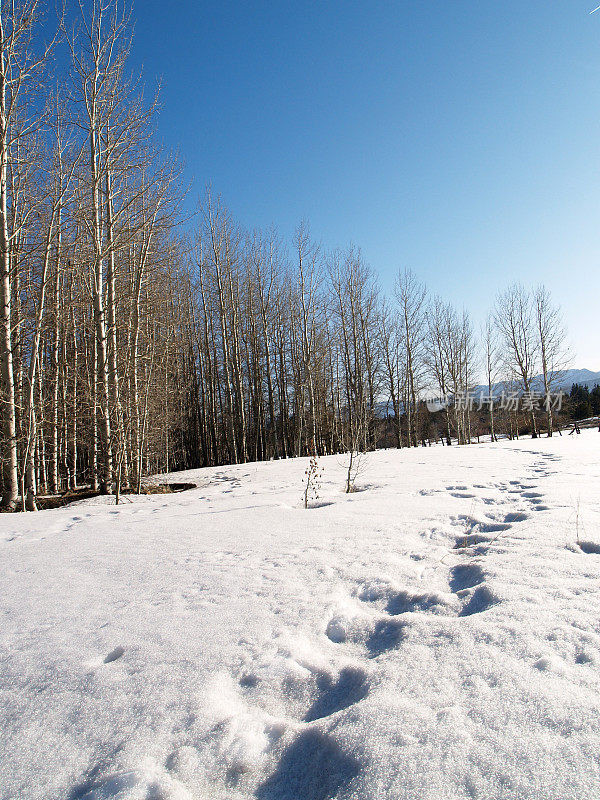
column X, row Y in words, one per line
column 563, row 382
column 584, row 377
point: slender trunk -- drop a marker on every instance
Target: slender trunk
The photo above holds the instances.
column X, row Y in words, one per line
column 94, row 415
column 74, row 410
column 9, row 455
column 100, row 323
column 30, row 482
column 113, row 373
column 53, row 465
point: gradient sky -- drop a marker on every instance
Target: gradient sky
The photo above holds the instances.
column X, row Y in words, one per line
column 460, row 139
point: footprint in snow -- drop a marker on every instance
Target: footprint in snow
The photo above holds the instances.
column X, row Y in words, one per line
column 516, row 516
column 387, row 634
column 114, row 655
column 404, row 602
column 465, row 576
column 481, row 599
column 389, row 630
column 590, row 548
column 401, row 601
column 350, row 687
column 321, row 692
column 149, row 783
column 376, row 637
column 474, row 540
column 473, row 525
column 586, row 657
column 313, row 767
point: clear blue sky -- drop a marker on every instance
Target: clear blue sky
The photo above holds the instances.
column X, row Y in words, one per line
column 460, row 139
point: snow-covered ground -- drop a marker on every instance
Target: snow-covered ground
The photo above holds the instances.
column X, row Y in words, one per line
column 433, row 637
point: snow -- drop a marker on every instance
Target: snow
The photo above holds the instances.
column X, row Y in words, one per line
column 434, row 636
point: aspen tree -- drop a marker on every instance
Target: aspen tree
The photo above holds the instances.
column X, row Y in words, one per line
column 515, row 318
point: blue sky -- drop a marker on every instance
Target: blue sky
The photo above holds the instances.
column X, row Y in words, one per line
column 460, row 139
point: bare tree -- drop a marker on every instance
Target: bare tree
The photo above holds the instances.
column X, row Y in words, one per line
column 515, row 318
column 554, row 354
column 410, row 296
column 491, row 362
column 19, row 68
column 308, row 281
column 392, row 363
column 437, row 352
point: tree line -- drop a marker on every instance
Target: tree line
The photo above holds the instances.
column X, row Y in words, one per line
column 584, row 402
column 130, row 346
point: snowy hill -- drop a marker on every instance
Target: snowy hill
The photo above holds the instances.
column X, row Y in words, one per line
column 434, row 636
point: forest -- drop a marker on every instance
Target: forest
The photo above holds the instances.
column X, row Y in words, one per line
column 136, row 340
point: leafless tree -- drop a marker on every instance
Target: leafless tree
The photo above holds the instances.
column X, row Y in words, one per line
column 410, row 296
column 515, row 318
column 491, row 362
column 20, row 67
column 553, row 351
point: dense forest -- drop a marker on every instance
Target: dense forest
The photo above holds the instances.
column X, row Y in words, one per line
column 134, row 341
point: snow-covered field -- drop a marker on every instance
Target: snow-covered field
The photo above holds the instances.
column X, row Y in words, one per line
column 433, row 637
